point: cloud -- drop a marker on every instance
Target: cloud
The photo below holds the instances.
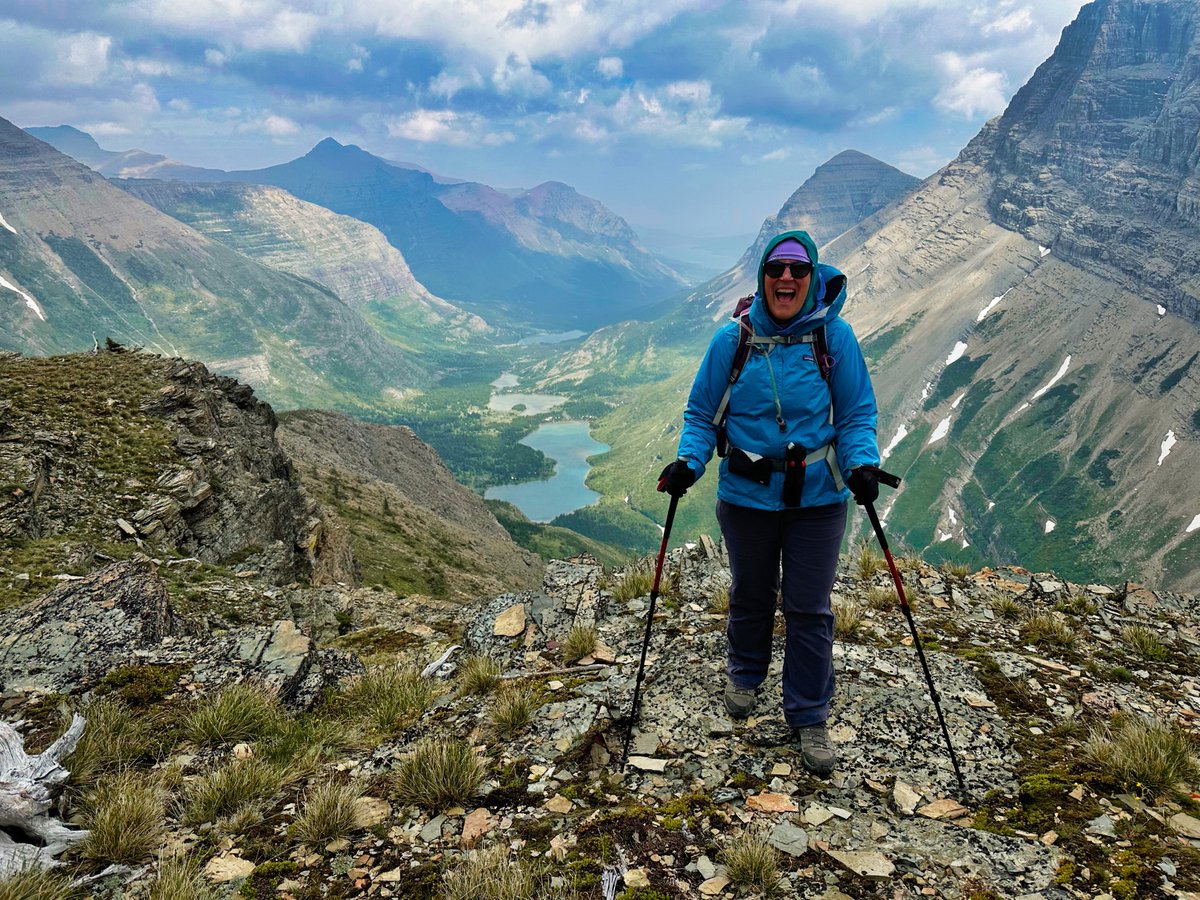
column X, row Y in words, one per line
column 357, row 61
column 80, row 59
column 214, row 57
column 610, row 67
column 971, row 91
column 432, row 126
column 516, row 75
column 450, row 82
column 1019, row 20
column 274, row 125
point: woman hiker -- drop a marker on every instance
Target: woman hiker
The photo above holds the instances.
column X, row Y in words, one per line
column 799, row 428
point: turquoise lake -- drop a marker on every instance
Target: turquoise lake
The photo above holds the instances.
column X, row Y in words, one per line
column 569, row 444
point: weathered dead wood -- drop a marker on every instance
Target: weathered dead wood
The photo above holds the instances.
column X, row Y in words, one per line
column 25, row 786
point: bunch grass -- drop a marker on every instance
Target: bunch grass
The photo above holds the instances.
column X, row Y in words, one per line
column 35, row 884
column 512, row 710
column 126, row 817
column 439, row 773
column 1008, row 608
column 490, row 875
column 719, row 602
column 848, row 618
column 329, row 812
column 239, row 712
column 114, row 739
column 1151, row 756
column 867, row 563
column 179, row 878
column 581, row 641
column 1048, row 629
column 1144, row 642
column 388, row 698
column 637, row 581
column 751, row 861
column 478, row 675
column 230, row 788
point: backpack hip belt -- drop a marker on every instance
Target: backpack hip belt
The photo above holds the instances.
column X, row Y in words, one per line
column 759, row 468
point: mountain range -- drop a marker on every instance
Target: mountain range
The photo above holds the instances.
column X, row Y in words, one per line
column 544, row 257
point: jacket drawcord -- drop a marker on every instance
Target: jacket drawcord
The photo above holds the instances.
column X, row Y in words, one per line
column 775, row 391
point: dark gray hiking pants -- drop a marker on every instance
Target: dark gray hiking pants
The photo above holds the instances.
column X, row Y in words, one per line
column 805, row 542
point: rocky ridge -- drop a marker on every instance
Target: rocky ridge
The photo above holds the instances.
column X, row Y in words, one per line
column 1039, row 819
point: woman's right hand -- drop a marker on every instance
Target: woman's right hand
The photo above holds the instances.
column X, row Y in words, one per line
column 676, row 478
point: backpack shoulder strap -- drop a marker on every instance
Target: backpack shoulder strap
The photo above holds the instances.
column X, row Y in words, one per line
column 740, row 355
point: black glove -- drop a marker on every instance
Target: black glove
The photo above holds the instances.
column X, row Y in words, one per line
column 864, row 484
column 676, row 478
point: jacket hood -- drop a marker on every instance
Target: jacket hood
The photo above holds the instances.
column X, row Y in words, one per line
column 820, row 306
column 810, row 246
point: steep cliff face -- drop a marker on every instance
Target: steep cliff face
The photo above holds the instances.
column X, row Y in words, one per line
column 1098, row 156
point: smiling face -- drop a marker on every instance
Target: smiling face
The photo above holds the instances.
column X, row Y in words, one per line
column 786, row 293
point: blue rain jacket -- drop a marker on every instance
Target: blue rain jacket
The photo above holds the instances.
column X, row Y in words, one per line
column 803, row 395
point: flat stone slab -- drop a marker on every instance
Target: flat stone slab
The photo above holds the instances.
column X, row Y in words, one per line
column 789, row 839
column 511, row 622
column 870, row 865
column 773, row 803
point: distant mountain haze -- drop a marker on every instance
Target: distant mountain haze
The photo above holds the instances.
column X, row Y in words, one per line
column 547, row 257
column 351, row 258
column 79, row 257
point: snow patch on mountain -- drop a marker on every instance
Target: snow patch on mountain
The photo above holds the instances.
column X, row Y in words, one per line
column 1050, row 525
column 1162, row 310
column 956, row 354
column 1195, row 524
column 29, row 301
column 958, row 400
column 1062, row 370
column 1165, row 450
column 901, row 434
column 941, row 431
column 1044, row 251
column 4, row 224
column 995, row 301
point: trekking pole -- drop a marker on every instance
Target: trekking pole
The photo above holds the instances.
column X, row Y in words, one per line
column 893, row 481
column 637, row 688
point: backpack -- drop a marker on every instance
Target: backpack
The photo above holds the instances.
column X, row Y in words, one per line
column 747, row 339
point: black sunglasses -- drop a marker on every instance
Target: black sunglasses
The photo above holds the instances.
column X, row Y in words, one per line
column 800, row 270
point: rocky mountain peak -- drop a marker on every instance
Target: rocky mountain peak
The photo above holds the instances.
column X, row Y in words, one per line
column 1097, row 156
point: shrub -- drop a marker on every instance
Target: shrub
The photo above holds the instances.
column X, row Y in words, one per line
column 35, row 884
column 1008, row 608
column 581, row 641
column 239, row 712
column 328, row 813
column 847, row 619
column 228, row 789
column 489, row 875
column 440, row 772
column 1154, row 755
column 179, row 878
column 1048, row 629
column 1144, row 642
column 867, row 562
column 750, row 860
column 478, row 675
column 113, row 739
column 126, row 818
column 512, row 710
column 388, row 698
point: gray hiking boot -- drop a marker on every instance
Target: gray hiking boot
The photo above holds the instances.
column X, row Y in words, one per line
column 816, row 750
column 738, row 700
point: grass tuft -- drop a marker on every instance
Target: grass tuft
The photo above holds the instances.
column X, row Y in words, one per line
column 1008, row 608
column 1144, row 642
column 35, row 884
column 225, row 791
column 239, row 712
column 637, row 581
column 478, row 675
column 1153, row 756
column 440, row 772
column 958, row 571
column 581, row 641
column 512, row 710
column 1048, row 629
column 388, row 698
column 867, row 562
column 126, row 817
column 847, row 618
column 719, row 603
column 328, row 813
column 114, row 738
column 179, row 878
column 882, row 599
column 751, row 861
column 489, row 875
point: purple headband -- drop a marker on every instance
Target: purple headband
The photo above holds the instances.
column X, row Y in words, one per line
column 789, row 249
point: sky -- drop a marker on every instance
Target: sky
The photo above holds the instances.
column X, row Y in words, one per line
column 696, row 117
